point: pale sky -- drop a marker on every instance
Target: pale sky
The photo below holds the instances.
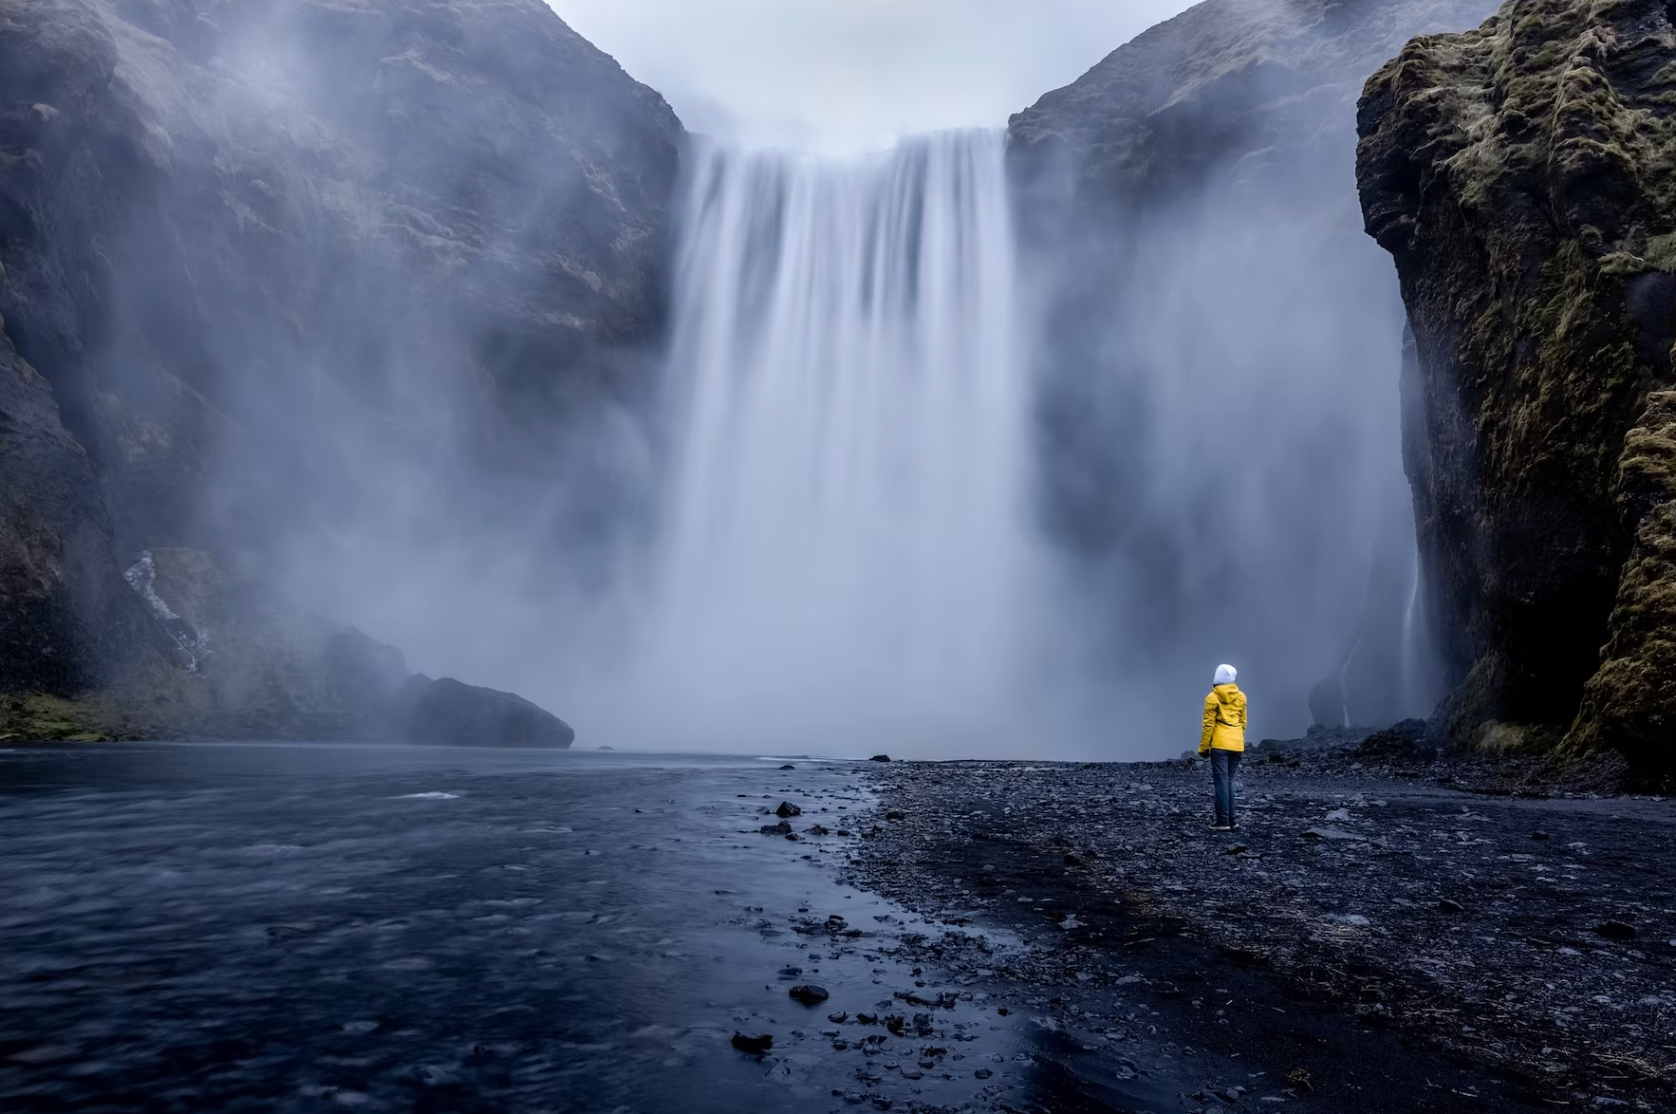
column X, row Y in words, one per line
column 855, row 74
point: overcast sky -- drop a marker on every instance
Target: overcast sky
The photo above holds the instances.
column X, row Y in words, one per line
column 847, row 74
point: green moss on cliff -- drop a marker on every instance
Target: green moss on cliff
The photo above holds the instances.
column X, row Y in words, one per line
column 36, row 717
column 1630, row 704
column 1524, row 178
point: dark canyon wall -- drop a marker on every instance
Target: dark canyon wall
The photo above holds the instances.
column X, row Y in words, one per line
column 1522, row 177
column 300, row 284
column 1222, row 355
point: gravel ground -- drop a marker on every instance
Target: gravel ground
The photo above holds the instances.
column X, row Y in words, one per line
column 1362, row 942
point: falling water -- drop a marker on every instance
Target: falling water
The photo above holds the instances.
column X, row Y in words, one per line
column 1419, row 680
column 845, row 543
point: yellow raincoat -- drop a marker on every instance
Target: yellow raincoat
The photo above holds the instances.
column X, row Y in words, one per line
column 1224, row 720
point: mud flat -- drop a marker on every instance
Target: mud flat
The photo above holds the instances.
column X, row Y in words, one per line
column 1363, row 941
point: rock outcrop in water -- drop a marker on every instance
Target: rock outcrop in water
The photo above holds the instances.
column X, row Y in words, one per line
column 278, row 277
column 1521, row 176
column 1193, row 195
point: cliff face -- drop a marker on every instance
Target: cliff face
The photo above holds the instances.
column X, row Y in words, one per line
column 1260, row 92
column 1522, row 177
column 287, row 275
column 1222, row 355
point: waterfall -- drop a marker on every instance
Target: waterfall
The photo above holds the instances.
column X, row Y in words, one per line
column 845, row 540
column 1419, row 680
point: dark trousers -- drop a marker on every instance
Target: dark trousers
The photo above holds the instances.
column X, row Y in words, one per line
column 1224, row 764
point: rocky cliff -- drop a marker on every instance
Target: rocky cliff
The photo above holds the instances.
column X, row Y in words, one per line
column 1522, row 177
column 281, row 276
column 1223, row 352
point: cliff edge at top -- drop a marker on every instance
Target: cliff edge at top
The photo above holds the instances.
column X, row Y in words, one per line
column 1523, row 176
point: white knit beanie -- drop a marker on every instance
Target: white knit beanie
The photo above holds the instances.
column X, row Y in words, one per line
column 1226, row 674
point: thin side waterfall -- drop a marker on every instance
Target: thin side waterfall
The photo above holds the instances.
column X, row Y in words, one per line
column 1419, row 667
column 846, row 544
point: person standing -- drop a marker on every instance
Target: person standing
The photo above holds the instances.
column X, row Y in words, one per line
column 1223, row 741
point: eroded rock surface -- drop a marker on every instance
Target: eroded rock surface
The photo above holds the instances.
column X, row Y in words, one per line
column 1521, row 177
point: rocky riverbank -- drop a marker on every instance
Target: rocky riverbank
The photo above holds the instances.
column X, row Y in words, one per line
column 1362, row 942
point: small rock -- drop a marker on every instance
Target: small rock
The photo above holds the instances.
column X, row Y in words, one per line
column 838, row 1018
column 787, row 809
column 1539, row 835
column 1616, row 930
column 1237, row 849
column 894, row 815
column 809, row 994
column 982, row 1073
column 754, row 1045
column 1448, row 906
column 1340, row 814
column 881, row 758
column 816, row 830
column 788, row 766
column 780, row 829
column 1334, row 835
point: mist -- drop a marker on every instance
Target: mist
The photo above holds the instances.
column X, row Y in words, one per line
column 839, row 429
column 845, row 76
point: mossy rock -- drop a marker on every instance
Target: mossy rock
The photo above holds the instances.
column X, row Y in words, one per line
column 39, row 717
column 1523, row 176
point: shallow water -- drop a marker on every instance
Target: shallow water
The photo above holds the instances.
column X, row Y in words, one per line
column 301, row 928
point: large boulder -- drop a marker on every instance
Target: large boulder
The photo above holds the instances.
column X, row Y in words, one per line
column 1519, row 174
column 449, row 713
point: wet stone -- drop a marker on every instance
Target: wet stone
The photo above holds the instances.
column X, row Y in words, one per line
column 753, row 1045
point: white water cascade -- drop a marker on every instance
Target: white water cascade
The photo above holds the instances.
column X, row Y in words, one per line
column 846, row 546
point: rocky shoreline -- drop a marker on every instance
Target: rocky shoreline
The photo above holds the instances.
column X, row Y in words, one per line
column 1361, row 937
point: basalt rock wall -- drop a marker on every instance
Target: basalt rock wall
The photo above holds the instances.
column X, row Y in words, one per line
column 1523, row 176
column 304, row 277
